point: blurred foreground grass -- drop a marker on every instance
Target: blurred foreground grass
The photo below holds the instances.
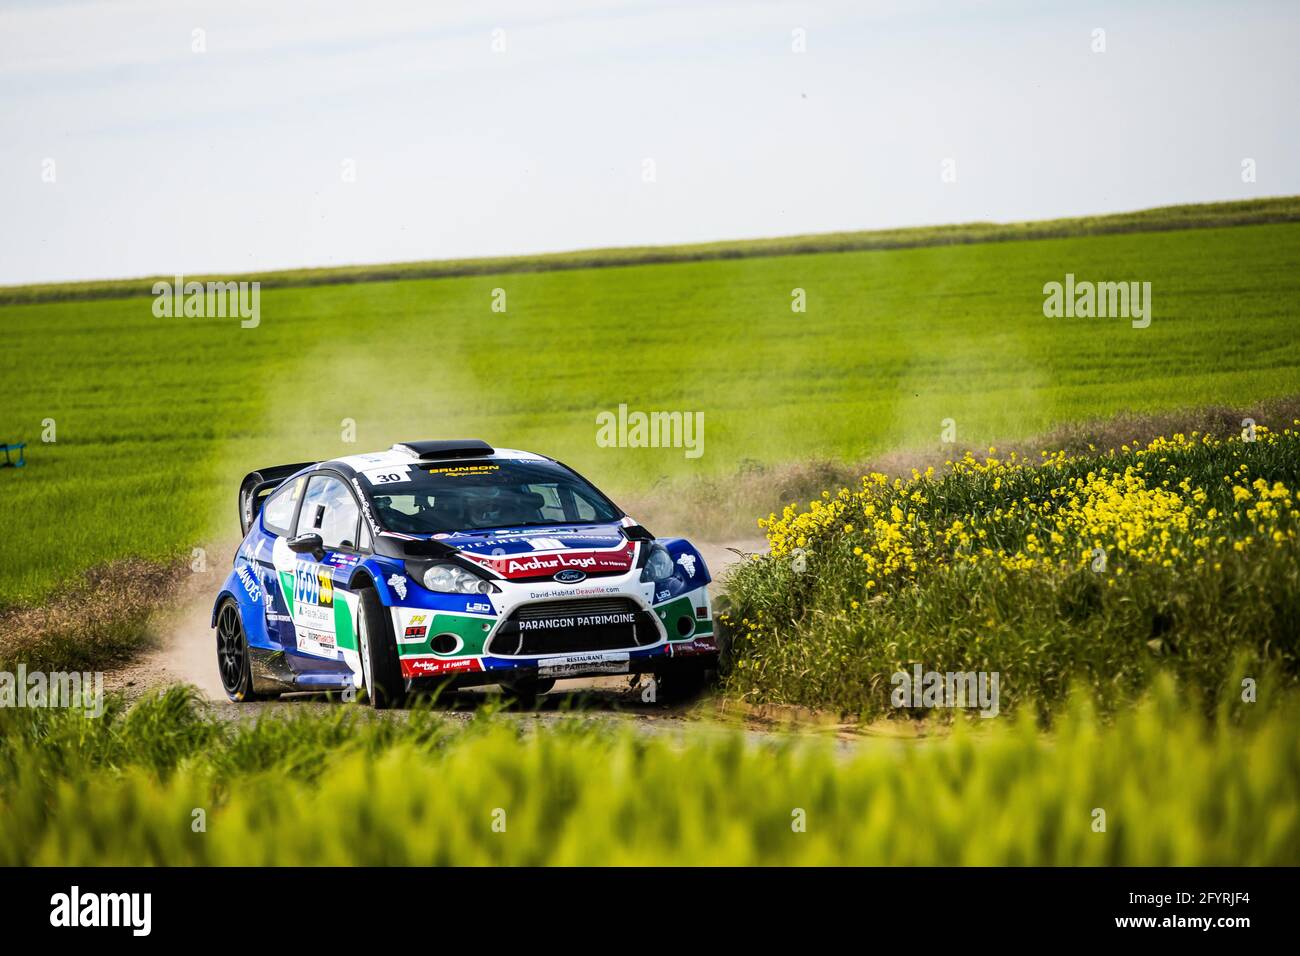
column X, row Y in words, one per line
column 348, row 788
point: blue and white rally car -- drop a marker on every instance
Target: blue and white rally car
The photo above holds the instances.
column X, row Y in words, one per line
column 452, row 563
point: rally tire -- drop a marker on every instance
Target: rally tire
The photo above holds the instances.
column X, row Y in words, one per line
column 682, row 684
column 380, row 667
column 527, row 690
column 234, row 663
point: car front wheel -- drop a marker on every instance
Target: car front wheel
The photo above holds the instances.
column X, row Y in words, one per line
column 682, row 684
column 527, row 690
column 381, row 670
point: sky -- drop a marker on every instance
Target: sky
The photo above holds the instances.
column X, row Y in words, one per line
column 287, row 133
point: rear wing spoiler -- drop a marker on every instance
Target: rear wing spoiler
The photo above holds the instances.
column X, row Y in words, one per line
column 258, row 485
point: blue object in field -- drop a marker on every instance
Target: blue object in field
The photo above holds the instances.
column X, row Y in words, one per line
column 18, row 448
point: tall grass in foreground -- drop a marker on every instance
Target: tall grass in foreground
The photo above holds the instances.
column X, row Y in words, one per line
column 1098, row 569
column 347, row 788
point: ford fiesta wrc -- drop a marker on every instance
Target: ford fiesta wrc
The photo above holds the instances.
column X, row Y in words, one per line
column 452, row 564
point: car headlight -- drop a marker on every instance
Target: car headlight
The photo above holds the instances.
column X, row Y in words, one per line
column 658, row 565
column 446, row 578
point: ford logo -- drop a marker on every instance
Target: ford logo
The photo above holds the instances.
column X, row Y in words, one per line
column 570, row 576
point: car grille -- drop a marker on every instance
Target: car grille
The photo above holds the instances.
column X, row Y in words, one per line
column 571, row 627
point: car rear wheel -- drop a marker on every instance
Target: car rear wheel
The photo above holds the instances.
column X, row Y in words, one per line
column 381, row 670
column 233, row 659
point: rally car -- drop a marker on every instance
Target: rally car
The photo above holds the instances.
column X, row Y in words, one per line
column 452, row 563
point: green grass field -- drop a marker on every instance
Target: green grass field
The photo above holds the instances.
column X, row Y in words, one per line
column 341, row 789
column 158, row 418
column 1192, row 216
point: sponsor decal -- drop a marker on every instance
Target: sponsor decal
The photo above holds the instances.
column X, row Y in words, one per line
column 315, row 615
column 312, row 641
column 365, row 508
column 417, row 627
column 596, row 533
column 313, row 611
column 570, row 576
column 250, row 584
column 687, row 561
column 698, row 645
column 340, row 560
column 479, row 607
column 544, row 565
column 578, row 620
column 388, row 475
column 575, row 592
column 312, row 584
column 371, row 458
column 430, row 666
column 663, row 596
column 461, row 471
column 540, row 565
column 576, row 664
column 398, row 583
column 545, row 544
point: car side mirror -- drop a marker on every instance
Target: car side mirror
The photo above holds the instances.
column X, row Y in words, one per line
column 310, row 543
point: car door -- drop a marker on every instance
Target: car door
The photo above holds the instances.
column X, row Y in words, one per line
column 274, row 525
column 315, row 586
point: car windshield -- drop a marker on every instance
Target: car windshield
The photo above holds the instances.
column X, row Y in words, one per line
column 482, row 495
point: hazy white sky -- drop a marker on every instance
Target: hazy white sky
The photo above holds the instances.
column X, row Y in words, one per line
column 168, row 160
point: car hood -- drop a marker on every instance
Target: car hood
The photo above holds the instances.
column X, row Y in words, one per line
column 542, row 552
